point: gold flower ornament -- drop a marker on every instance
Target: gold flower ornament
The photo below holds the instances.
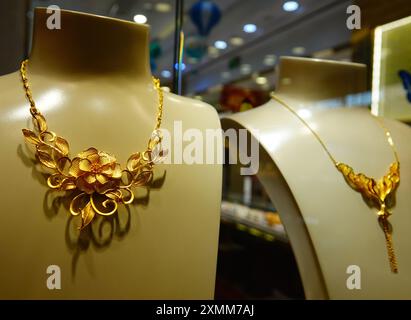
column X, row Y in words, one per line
column 98, row 181
column 97, row 176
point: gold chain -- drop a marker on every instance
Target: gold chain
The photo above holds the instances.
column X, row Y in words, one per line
column 160, row 103
column 35, row 111
column 377, row 191
column 29, row 95
column 379, row 121
column 96, row 177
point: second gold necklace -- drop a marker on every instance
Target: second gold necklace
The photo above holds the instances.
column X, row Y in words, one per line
column 376, row 192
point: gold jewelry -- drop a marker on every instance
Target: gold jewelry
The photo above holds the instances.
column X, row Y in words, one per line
column 98, row 182
column 377, row 193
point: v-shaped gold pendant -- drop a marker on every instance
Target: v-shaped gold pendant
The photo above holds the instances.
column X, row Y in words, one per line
column 378, row 194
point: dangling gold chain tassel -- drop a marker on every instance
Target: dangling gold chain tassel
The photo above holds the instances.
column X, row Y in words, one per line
column 388, row 241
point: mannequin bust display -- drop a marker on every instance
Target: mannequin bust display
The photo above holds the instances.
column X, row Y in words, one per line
column 329, row 225
column 91, row 80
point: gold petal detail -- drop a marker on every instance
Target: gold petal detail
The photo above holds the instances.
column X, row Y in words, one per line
column 93, row 158
column 90, row 178
column 108, row 156
column 88, row 152
column 101, row 178
column 84, row 186
column 74, row 170
column 103, row 160
column 108, row 169
column 85, row 165
column 117, row 172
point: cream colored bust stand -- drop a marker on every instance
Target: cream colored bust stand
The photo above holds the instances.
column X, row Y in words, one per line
column 91, row 80
column 329, row 225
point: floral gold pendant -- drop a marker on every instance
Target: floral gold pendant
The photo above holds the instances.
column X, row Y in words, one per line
column 99, row 182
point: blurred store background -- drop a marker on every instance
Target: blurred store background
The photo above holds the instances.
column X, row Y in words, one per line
column 231, row 51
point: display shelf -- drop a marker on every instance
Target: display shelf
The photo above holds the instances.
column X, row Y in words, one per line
column 252, row 221
column 257, row 202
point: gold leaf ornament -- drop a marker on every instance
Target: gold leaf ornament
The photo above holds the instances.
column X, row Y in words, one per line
column 40, row 122
column 87, row 215
column 30, row 137
column 45, row 159
column 62, row 145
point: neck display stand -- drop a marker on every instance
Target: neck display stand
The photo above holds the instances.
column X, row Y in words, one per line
column 331, row 229
column 92, row 81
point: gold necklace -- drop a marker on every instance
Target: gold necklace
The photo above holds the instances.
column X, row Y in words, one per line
column 97, row 181
column 377, row 193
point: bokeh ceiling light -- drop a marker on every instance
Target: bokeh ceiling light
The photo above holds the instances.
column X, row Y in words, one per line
column 245, row 69
column 166, row 74
column 270, row 59
column 163, row 7
column 299, row 51
column 140, row 18
column 220, row 44
column 236, row 41
column 291, row 6
column 249, row 28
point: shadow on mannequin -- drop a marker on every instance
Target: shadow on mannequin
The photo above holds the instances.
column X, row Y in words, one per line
column 99, row 234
